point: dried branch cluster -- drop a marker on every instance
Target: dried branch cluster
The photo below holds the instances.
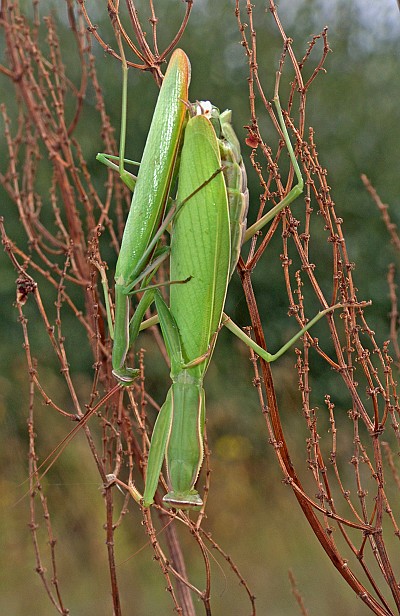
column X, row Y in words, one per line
column 63, row 254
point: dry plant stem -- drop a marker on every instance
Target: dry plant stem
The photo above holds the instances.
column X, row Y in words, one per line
column 384, row 210
column 234, row 568
column 271, row 413
column 395, row 239
column 394, row 313
column 178, row 563
column 352, row 355
column 37, row 125
column 149, row 60
column 56, row 599
column 111, row 553
column 297, row 594
column 164, row 563
column 389, row 455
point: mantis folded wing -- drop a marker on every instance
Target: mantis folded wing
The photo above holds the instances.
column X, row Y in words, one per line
column 152, row 189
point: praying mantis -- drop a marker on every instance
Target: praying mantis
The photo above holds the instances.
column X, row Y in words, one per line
column 151, row 191
column 207, row 222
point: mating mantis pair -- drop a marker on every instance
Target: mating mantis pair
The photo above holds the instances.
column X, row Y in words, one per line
column 206, row 223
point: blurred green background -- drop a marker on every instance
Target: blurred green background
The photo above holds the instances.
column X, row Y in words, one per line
column 354, row 109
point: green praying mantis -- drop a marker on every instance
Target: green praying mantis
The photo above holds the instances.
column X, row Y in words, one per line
column 138, row 255
column 207, row 227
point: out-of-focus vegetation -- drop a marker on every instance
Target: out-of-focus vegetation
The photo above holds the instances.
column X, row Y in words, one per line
column 355, row 113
